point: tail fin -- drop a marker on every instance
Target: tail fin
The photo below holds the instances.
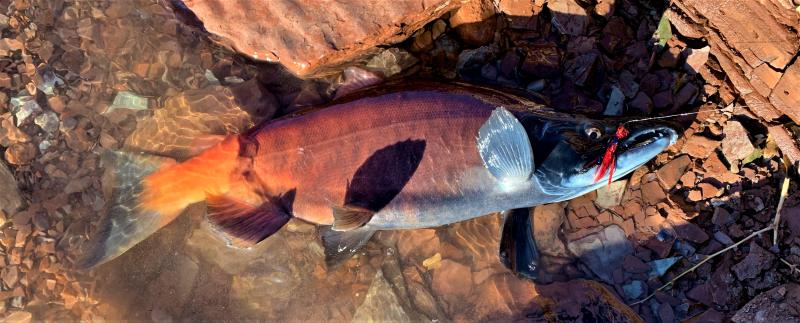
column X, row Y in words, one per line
column 127, row 222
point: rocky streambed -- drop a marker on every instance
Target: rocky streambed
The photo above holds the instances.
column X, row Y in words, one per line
column 79, row 78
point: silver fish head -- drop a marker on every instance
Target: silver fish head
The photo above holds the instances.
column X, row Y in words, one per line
column 568, row 151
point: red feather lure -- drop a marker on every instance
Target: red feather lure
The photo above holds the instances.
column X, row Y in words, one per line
column 610, row 157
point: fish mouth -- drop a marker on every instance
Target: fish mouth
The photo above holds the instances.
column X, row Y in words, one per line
column 639, row 147
column 643, row 137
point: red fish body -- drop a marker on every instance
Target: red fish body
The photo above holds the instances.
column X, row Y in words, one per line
column 415, row 157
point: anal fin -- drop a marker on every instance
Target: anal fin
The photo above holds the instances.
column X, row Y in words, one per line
column 243, row 223
column 349, row 217
column 518, row 250
column 340, row 246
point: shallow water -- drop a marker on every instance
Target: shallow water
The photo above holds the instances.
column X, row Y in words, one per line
column 182, row 89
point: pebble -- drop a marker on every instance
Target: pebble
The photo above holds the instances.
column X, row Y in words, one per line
column 611, row 195
column 736, row 145
column 634, row 289
column 723, row 238
column 614, row 106
column 696, row 58
column 670, row 173
column 47, row 121
column 756, row 261
column 699, row 146
column 659, row 267
column 602, row 251
column 128, row 100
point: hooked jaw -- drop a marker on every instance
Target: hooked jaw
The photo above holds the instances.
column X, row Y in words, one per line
column 643, row 145
column 639, row 147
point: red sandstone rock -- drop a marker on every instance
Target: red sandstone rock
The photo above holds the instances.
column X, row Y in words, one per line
column 308, row 36
column 731, row 28
column 699, row 146
column 670, row 173
column 475, row 22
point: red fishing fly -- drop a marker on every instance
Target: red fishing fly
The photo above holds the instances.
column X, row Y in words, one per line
column 610, row 157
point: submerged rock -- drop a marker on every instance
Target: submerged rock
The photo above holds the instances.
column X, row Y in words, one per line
column 380, row 304
column 603, row 251
column 10, row 199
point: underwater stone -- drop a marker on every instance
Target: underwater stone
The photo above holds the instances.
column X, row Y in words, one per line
column 128, row 100
column 48, row 121
column 603, row 251
column 24, row 106
column 380, row 304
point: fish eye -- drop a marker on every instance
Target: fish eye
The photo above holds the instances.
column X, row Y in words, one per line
column 593, row 133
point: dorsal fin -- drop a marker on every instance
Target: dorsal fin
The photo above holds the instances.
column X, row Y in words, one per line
column 505, row 148
column 243, row 223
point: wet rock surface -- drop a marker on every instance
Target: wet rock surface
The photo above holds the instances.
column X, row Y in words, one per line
column 80, row 78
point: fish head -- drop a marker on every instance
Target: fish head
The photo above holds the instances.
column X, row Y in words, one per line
column 568, row 151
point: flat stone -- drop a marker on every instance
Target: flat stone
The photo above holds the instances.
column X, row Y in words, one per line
column 642, row 103
column 547, row 222
column 669, row 58
column 542, row 60
column 308, row 38
column 634, row 289
column 709, row 190
column 786, row 144
column 569, row 17
column 685, row 95
column 10, row 199
column 18, row 317
column 615, row 100
column 670, row 173
column 474, row 22
column 786, row 96
column 659, row 267
column 20, row 153
column 780, row 304
column 716, row 169
column 610, row 195
column 602, row 251
column 736, row 145
column 452, row 281
column 633, row 264
column 756, row 261
column 695, row 59
column 687, row 230
column 699, row 146
column 652, row 193
column 688, row 179
column 381, row 304
column 723, row 238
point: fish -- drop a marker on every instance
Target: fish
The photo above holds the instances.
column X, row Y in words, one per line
column 392, row 157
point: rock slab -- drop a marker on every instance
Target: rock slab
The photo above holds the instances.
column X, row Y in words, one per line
column 310, row 36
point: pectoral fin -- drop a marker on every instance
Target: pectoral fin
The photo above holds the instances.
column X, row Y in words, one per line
column 505, row 148
column 518, row 250
column 245, row 224
column 349, row 217
column 340, row 246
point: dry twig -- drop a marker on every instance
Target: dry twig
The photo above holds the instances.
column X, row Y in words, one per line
column 784, row 193
column 707, row 258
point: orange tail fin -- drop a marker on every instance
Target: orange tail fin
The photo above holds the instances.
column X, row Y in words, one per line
column 149, row 192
